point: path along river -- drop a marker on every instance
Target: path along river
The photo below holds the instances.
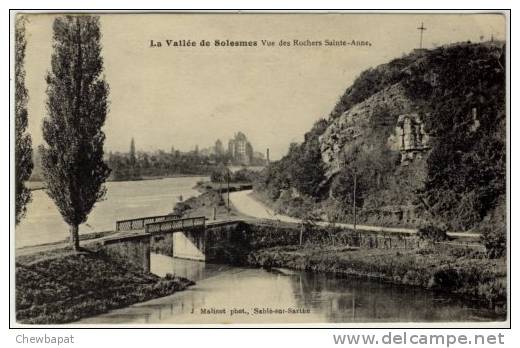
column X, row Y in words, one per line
column 246, row 204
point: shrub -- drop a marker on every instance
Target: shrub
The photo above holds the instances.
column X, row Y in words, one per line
column 445, row 278
column 494, row 231
column 219, row 174
column 495, row 241
column 432, row 233
column 245, row 176
column 180, row 208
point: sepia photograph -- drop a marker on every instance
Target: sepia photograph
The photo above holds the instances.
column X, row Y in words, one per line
column 265, row 169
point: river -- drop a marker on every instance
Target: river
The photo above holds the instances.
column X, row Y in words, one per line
column 124, row 200
column 261, row 296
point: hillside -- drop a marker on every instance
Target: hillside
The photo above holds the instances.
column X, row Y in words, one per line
column 424, row 135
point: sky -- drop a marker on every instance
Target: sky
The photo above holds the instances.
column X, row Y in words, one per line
column 187, row 96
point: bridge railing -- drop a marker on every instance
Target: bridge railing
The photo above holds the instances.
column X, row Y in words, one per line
column 175, row 225
column 140, row 223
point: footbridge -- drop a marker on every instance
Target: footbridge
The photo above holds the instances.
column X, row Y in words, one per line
column 168, row 235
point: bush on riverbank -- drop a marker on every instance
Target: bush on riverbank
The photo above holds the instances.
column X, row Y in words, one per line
column 71, row 287
column 433, row 267
column 494, row 231
column 494, row 239
column 432, row 233
column 221, row 174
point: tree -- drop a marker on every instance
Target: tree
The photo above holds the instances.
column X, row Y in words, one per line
column 23, row 143
column 72, row 161
column 132, row 153
column 308, row 218
column 466, row 119
column 220, row 173
column 134, row 171
column 494, row 230
column 305, row 166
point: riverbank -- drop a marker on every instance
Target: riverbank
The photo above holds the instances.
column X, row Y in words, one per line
column 449, row 267
column 158, row 177
column 61, row 286
column 205, row 186
column 454, row 270
column 460, row 266
column 212, row 202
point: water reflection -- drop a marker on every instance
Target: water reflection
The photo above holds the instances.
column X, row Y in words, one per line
column 263, row 296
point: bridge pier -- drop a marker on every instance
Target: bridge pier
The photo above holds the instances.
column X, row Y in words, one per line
column 133, row 250
column 183, row 238
column 187, row 244
column 162, row 243
column 190, row 244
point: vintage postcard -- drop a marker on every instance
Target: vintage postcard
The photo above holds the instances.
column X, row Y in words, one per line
column 260, row 168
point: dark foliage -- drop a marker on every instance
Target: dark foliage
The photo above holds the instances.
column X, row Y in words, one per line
column 305, row 166
column 495, row 240
column 64, row 289
column 23, row 143
column 72, row 161
column 302, row 168
column 372, row 81
column 432, row 233
column 494, row 231
column 159, row 163
column 221, row 174
column 245, row 176
column 466, row 118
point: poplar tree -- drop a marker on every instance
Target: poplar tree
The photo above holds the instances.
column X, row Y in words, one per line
column 23, row 144
column 72, row 161
column 132, row 153
column 134, row 172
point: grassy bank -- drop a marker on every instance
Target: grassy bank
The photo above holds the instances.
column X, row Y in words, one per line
column 209, row 203
column 453, row 270
column 71, row 286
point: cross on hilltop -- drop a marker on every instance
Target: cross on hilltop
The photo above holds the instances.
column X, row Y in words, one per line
column 421, row 28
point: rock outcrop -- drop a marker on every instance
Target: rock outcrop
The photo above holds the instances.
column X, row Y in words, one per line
column 407, row 134
column 409, row 138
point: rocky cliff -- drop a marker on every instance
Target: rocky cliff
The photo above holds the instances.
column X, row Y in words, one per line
column 424, row 133
column 402, row 117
